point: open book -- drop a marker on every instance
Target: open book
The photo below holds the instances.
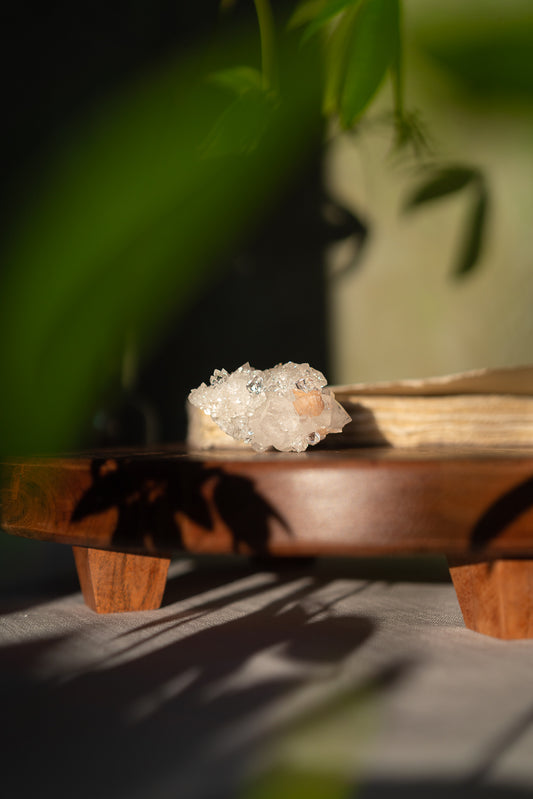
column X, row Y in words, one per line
column 485, row 408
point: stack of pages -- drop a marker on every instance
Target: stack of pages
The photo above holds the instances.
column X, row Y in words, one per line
column 487, row 407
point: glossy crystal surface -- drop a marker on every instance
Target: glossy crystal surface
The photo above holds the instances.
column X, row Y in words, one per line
column 288, row 407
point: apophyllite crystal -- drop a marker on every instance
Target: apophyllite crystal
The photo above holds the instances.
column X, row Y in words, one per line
column 287, row 407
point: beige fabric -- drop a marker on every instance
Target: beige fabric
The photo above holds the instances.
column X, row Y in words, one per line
column 360, row 670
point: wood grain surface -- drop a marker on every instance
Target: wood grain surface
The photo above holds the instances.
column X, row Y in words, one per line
column 115, row 582
column 496, row 597
column 366, row 502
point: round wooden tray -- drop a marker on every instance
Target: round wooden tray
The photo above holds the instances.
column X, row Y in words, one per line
column 139, row 507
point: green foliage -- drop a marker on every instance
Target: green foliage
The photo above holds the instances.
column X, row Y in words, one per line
column 325, row 14
column 475, row 232
column 487, row 54
column 319, row 754
column 337, row 51
column 372, row 50
column 306, row 12
column 126, row 224
column 441, row 182
column 362, row 45
column 241, row 126
column 445, row 181
column 240, row 80
column 285, row 782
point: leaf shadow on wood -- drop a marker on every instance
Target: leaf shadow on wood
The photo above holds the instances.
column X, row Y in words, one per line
column 502, row 513
column 154, row 500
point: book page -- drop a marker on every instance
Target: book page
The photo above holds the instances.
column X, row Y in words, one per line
column 513, row 380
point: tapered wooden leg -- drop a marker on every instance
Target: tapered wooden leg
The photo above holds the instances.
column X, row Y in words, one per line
column 114, row 582
column 496, row 596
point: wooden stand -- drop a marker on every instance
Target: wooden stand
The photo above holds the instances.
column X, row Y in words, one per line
column 496, row 596
column 126, row 513
column 114, row 582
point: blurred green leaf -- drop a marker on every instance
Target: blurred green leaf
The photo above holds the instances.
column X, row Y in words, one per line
column 315, row 756
column 326, row 15
column 441, row 183
column 336, row 60
column 267, row 36
column 396, row 70
column 305, row 12
column 241, row 126
column 372, row 49
column 475, row 233
column 285, row 782
column 124, row 227
column 488, row 54
column 240, row 79
column 444, row 182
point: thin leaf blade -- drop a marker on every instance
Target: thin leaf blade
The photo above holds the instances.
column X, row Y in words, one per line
column 441, row 183
column 305, row 12
column 332, row 9
column 336, row 58
column 472, row 245
column 239, row 79
column 396, row 68
column 372, row 49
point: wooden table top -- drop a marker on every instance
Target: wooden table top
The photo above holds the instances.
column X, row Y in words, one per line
column 354, row 501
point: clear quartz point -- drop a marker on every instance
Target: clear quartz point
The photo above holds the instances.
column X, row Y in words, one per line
column 288, row 407
column 255, row 386
column 218, row 376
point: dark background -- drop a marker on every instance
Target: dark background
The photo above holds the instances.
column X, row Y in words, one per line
column 268, row 304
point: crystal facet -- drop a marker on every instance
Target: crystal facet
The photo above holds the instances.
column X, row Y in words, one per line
column 287, row 407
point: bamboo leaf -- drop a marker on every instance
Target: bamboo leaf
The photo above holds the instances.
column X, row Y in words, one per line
column 240, row 79
column 305, row 12
column 396, row 69
column 441, row 183
column 331, row 10
column 475, row 232
column 336, row 58
column 372, row 50
column 240, row 127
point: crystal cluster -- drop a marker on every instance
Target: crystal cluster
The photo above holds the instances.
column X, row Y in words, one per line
column 287, row 407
